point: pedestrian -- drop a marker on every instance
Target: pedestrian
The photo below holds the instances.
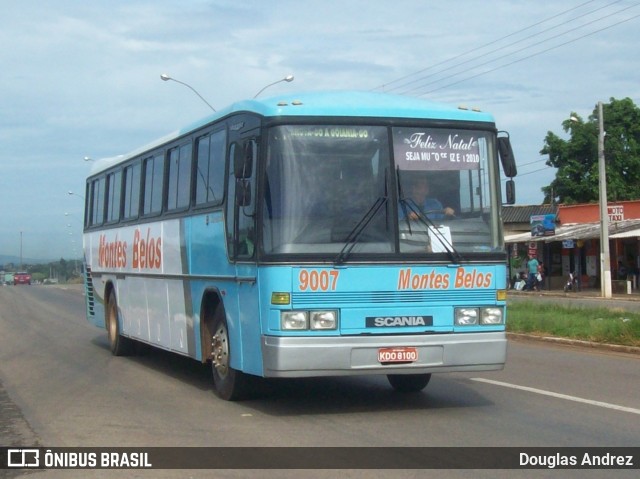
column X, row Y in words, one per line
column 540, row 275
column 532, row 268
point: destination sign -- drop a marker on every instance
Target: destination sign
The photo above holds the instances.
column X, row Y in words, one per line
column 436, row 149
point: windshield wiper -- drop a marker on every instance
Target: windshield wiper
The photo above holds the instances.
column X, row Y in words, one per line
column 354, row 234
column 409, row 204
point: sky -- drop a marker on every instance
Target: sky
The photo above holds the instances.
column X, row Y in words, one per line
column 82, row 79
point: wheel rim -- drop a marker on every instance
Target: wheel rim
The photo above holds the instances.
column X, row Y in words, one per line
column 220, row 351
column 113, row 322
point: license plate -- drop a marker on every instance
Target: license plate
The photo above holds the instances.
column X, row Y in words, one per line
column 397, row 355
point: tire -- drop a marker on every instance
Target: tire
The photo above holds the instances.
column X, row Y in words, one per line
column 120, row 346
column 409, row 383
column 229, row 384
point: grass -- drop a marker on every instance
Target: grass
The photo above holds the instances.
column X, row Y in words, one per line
column 598, row 325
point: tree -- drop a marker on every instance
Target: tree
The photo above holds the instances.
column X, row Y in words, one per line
column 576, row 159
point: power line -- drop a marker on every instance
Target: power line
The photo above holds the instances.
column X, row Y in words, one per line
column 520, row 174
column 532, row 55
column 534, row 171
column 476, row 58
column 531, row 45
column 459, row 64
column 383, row 87
column 531, row 163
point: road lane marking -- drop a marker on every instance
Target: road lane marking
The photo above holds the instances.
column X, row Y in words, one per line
column 560, row 396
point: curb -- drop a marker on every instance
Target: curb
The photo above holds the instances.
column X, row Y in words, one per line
column 576, row 342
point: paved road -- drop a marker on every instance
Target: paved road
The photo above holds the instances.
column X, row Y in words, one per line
column 60, row 386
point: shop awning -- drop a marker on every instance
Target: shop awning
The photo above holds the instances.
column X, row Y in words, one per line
column 582, row 231
column 627, row 234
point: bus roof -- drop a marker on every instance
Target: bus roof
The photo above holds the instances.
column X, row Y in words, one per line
column 321, row 104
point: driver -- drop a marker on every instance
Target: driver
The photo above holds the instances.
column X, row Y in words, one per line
column 418, row 191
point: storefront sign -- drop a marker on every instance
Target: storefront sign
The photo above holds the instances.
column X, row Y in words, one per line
column 616, row 213
column 543, row 225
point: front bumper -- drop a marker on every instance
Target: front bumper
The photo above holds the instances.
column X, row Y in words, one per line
column 289, row 357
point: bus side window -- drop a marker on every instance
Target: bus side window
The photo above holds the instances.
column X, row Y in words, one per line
column 210, row 168
column 179, row 188
column 131, row 191
column 153, row 180
column 97, row 201
column 114, row 187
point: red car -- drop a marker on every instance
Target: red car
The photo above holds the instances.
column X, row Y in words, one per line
column 21, row 278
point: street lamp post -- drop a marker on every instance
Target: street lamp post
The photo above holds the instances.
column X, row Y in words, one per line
column 288, row 79
column 605, row 262
column 71, row 193
column 165, row 77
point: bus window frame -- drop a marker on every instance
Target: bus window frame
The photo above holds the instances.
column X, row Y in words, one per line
column 168, row 150
column 131, row 164
column 91, row 220
column 218, row 203
column 163, row 184
column 109, row 176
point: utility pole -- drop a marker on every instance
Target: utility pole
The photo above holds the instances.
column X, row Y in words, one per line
column 605, row 261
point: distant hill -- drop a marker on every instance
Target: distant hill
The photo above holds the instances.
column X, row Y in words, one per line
column 15, row 260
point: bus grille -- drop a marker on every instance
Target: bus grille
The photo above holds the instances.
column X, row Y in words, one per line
column 395, row 297
column 89, row 292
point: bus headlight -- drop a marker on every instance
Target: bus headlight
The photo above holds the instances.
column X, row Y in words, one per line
column 295, row 320
column 466, row 316
column 323, row 319
column 491, row 316
column 478, row 316
column 305, row 320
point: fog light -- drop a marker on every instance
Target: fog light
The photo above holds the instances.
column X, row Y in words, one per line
column 294, row 320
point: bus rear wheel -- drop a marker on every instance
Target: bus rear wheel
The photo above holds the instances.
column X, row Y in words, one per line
column 120, row 346
column 230, row 384
column 409, row 383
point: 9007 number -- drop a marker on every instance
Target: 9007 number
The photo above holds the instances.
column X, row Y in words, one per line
column 315, row 280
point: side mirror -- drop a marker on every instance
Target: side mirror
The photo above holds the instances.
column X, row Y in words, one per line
column 511, row 192
column 243, row 159
column 506, row 156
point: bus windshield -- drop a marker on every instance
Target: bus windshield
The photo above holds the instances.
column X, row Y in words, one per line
column 328, row 187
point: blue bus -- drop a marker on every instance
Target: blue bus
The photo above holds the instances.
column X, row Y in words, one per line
column 283, row 238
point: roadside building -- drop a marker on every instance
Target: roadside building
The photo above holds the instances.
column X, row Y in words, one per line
column 573, row 246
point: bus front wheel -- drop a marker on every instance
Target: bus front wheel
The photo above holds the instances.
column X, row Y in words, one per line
column 230, row 384
column 120, row 346
column 409, row 383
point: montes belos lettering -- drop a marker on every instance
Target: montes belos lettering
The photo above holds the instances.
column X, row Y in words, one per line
column 464, row 278
column 112, row 254
column 147, row 251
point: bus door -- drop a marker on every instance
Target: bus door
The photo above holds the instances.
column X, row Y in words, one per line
column 242, row 307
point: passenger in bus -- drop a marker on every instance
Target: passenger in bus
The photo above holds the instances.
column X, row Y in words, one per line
column 418, row 191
